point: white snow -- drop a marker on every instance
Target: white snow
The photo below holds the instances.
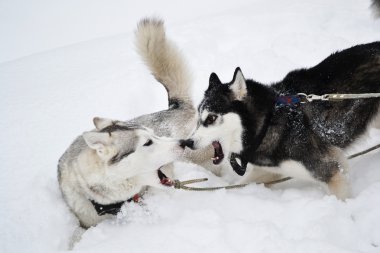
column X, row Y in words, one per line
column 49, row 98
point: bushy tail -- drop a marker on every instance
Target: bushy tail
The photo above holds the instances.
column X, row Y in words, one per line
column 376, row 8
column 164, row 60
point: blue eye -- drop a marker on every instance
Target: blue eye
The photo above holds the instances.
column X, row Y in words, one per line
column 148, row 143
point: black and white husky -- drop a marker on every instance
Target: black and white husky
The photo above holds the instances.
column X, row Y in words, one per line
column 245, row 123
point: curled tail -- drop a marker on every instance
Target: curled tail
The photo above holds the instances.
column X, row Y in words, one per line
column 164, row 60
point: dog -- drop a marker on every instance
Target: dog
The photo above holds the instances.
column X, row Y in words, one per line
column 105, row 167
column 245, row 122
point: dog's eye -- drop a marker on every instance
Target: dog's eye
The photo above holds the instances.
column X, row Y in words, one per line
column 210, row 119
column 148, row 143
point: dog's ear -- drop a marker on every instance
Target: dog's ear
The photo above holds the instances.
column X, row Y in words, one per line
column 98, row 141
column 214, row 80
column 238, row 85
column 101, row 123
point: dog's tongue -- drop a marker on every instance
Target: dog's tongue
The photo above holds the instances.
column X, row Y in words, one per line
column 218, row 152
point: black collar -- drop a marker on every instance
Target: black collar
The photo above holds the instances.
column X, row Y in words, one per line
column 239, row 169
column 244, row 155
column 107, row 209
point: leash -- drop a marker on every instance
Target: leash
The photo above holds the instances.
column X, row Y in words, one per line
column 177, row 184
column 363, row 152
column 335, row 97
column 302, row 98
column 183, row 184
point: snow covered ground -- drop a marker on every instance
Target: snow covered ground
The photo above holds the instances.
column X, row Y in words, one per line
column 51, row 97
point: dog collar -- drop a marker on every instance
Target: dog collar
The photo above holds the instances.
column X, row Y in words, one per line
column 244, row 156
column 114, row 208
column 239, row 169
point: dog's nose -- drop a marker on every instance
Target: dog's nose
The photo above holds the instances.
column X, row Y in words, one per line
column 187, row 143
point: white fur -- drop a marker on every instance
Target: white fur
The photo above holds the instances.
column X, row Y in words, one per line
column 290, row 168
column 226, row 129
column 239, row 87
column 162, row 151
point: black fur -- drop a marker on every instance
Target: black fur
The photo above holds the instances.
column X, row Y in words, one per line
column 309, row 132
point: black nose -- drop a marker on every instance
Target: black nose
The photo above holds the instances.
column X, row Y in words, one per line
column 187, row 143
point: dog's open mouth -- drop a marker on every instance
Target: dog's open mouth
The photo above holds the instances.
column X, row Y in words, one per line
column 218, row 153
column 164, row 179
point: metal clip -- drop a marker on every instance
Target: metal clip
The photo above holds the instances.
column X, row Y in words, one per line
column 312, row 97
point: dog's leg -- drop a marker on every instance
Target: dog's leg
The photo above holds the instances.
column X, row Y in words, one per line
column 259, row 174
column 338, row 185
column 76, row 237
column 332, row 169
column 376, row 121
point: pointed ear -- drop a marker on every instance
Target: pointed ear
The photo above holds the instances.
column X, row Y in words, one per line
column 238, row 85
column 101, row 123
column 214, row 80
column 97, row 141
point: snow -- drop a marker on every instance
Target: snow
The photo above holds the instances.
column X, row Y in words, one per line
column 50, row 97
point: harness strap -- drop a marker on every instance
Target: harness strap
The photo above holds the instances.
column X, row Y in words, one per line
column 289, row 100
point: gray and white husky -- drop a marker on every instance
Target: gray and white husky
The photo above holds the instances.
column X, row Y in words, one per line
column 106, row 167
column 245, row 122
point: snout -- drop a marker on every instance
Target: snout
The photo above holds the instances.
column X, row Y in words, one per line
column 187, row 143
